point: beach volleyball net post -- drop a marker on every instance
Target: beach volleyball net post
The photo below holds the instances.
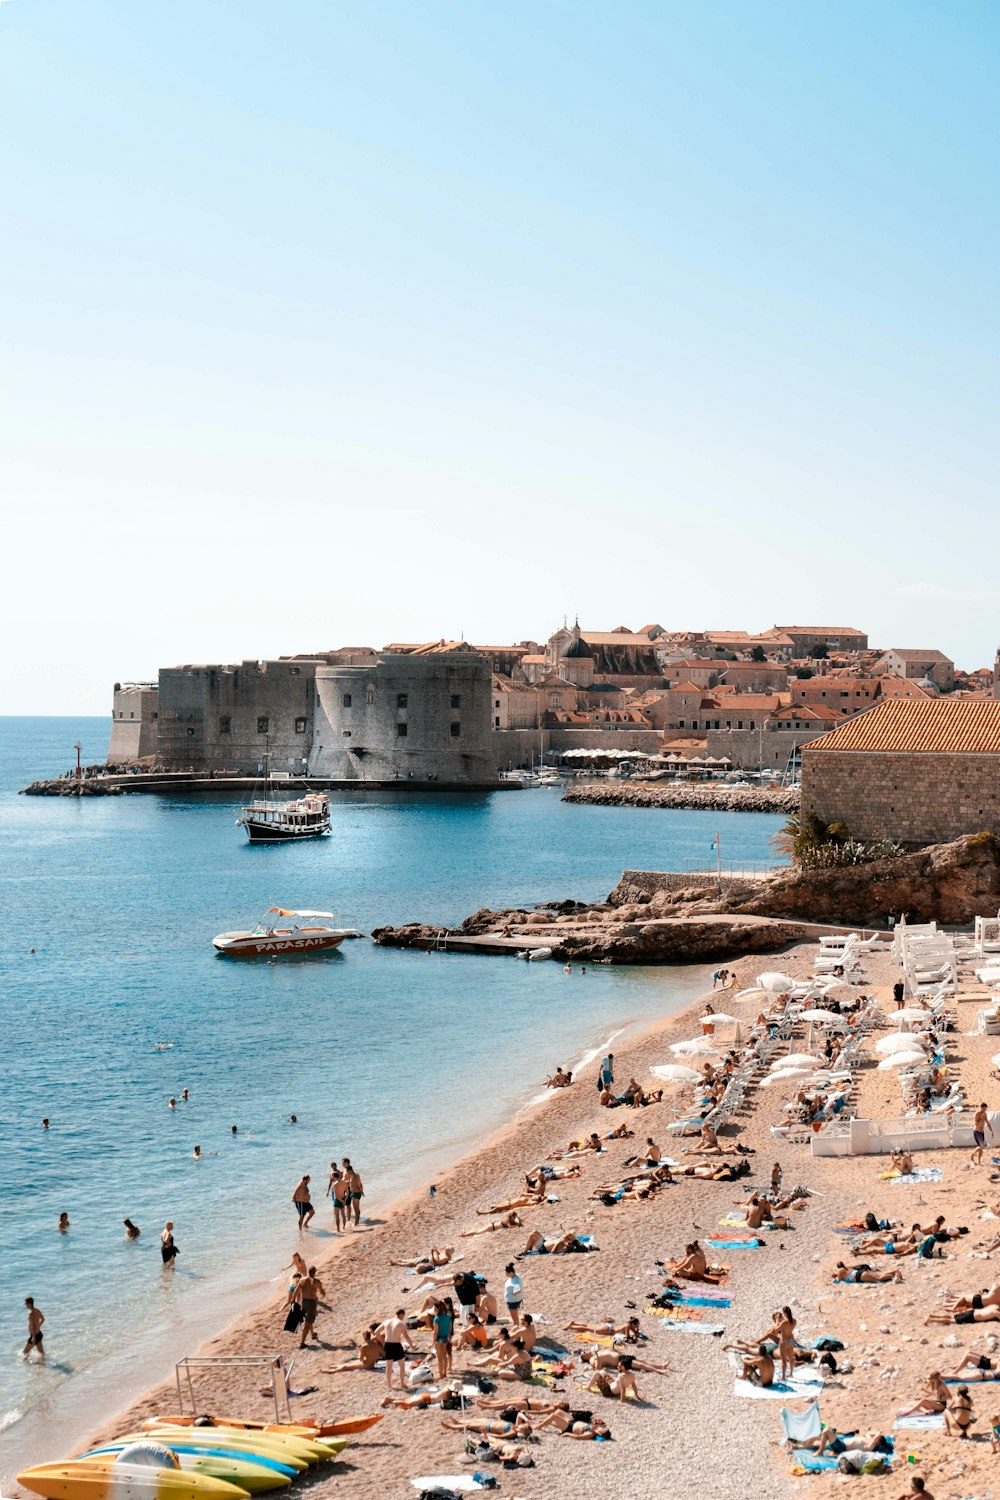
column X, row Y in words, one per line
column 270, row 1366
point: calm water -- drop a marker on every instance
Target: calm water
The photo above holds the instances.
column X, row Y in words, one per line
column 120, row 898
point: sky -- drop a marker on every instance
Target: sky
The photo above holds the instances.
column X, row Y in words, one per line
column 327, row 323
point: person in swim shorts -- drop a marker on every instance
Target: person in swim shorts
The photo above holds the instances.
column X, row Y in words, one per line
column 307, row 1295
column 35, row 1320
column 395, row 1335
column 338, row 1194
column 302, row 1201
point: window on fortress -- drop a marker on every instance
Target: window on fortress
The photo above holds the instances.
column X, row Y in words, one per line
column 496, row 702
column 456, row 730
column 263, row 726
column 154, row 716
column 401, row 731
column 191, row 733
column 400, row 700
column 225, row 726
column 456, row 700
column 347, row 700
column 300, row 726
column 496, row 722
column 346, row 734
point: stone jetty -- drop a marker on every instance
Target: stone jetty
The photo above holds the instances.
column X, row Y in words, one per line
column 713, row 798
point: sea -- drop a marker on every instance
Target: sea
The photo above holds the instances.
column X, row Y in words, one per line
column 112, row 1000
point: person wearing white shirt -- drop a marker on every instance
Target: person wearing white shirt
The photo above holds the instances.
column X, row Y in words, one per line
column 512, row 1292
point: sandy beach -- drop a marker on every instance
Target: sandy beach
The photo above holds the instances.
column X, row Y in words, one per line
column 690, row 1426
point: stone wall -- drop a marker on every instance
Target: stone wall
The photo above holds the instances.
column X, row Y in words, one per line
column 215, row 718
column 134, row 723
column 608, row 737
column 914, row 799
column 753, row 749
column 408, row 718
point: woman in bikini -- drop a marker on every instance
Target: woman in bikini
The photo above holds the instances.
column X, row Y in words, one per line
column 371, row 1351
column 338, row 1195
column 607, row 1330
column 782, row 1333
column 864, row 1275
column 582, row 1425
column 517, row 1426
column 959, row 1417
column 932, row 1402
column 610, row 1359
column 973, row 1366
column 512, row 1220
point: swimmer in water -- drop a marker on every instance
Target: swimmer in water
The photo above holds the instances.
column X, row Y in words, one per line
column 171, row 1102
column 45, row 1123
column 196, row 1153
column 63, row 1223
column 185, row 1095
column 293, row 1119
column 132, row 1231
column 233, row 1130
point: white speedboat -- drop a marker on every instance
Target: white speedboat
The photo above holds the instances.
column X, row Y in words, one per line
column 281, row 931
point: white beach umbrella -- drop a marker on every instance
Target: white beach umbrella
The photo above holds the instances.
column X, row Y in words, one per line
column 796, row 1060
column 788, row 1076
column 901, row 1042
column 722, row 1018
column 745, row 997
column 834, row 988
column 995, row 1059
column 823, row 1018
column 699, row 1046
column 912, row 1013
column 776, row 983
column 675, row 1073
column 902, row 1060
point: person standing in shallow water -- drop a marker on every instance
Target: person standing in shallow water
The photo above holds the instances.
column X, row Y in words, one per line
column 35, row 1320
column 337, row 1189
column 302, row 1200
column 168, row 1250
column 355, row 1189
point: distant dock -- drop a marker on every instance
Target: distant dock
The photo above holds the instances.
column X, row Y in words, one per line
column 222, row 782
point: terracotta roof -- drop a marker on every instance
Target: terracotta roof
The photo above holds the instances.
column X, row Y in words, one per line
column 905, row 654
column 682, row 687
column 903, row 687
column 819, row 629
column 751, row 702
column 936, row 726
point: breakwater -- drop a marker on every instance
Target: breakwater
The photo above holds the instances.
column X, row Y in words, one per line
column 705, row 798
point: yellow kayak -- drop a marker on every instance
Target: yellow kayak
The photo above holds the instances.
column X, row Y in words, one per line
column 242, row 1472
column 78, row 1479
column 311, row 1449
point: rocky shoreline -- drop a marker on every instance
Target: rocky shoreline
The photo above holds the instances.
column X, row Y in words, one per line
column 663, row 917
column 710, row 798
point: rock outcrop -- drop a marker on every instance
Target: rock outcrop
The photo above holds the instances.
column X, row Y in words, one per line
column 712, row 798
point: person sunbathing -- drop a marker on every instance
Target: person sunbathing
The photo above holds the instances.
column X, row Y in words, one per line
column 757, row 1210
column 759, row 1368
column 651, row 1156
column 637, row 1189
column 932, row 1402
column 565, row 1244
column 438, row 1255
column 708, row 1144
column 416, row 1400
column 591, row 1143
column 619, row 1385
column 630, row 1330
column 611, row 1359
column 621, row 1134
column 529, row 1199
column 511, row 1455
column 694, row 1264
column 582, row 1425
column 782, row 1332
column 522, row 1403
column 515, row 1365
column 959, row 1416
column 864, row 1275
column 560, row 1079
column 973, row 1366
column 517, row 1426
column 372, row 1349
column 473, row 1335
column 512, row 1220
column 832, row 1441
column 722, row 1171
column 902, row 1162
column 537, row 1179
column 981, row 1307
column 888, row 1243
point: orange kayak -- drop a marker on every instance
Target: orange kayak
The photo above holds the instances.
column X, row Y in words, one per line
column 307, row 1429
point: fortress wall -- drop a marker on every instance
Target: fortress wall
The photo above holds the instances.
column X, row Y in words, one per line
column 215, row 718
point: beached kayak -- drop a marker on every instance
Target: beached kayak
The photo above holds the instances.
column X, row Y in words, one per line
column 275, row 1466
column 250, row 1444
column 78, row 1480
column 346, row 1428
column 311, row 1449
column 250, row 1474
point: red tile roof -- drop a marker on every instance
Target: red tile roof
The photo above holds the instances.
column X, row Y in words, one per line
column 933, row 726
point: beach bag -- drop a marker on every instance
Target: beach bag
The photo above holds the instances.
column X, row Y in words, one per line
column 871, row 1223
column 828, row 1344
column 420, row 1375
column 485, row 1384
column 451, row 1403
column 294, row 1318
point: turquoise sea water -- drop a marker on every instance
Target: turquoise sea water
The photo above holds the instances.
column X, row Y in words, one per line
column 120, row 898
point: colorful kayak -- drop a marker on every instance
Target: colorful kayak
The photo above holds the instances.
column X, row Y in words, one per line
column 274, row 1466
column 78, row 1480
column 346, row 1428
column 250, row 1445
column 249, row 1473
column 310, row 1449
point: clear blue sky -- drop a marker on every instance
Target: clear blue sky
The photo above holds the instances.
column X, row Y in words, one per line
column 330, row 323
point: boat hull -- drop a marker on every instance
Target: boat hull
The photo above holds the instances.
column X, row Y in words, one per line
column 271, row 833
column 271, row 945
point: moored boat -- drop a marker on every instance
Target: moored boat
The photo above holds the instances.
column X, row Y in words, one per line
column 280, row 932
column 270, row 822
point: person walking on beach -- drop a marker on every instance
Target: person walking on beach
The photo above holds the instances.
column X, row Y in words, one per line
column 980, row 1125
column 307, row 1295
column 395, row 1334
column 513, row 1291
column 898, row 991
column 606, row 1072
column 355, row 1189
column 35, row 1320
column 168, row 1250
column 442, row 1324
column 301, row 1199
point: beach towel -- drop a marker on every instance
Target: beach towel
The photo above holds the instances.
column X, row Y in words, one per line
column 734, row 1244
column 678, row 1325
column 797, row 1426
column 781, row 1390
column 683, row 1314
column 716, row 1275
column 812, row 1463
column 406, row 1273
column 923, row 1422
column 604, row 1340
column 922, row 1174
column 446, row 1482
column 964, row 1380
column 695, row 1301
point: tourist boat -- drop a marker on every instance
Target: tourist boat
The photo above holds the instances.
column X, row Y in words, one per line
column 281, row 931
column 269, row 822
